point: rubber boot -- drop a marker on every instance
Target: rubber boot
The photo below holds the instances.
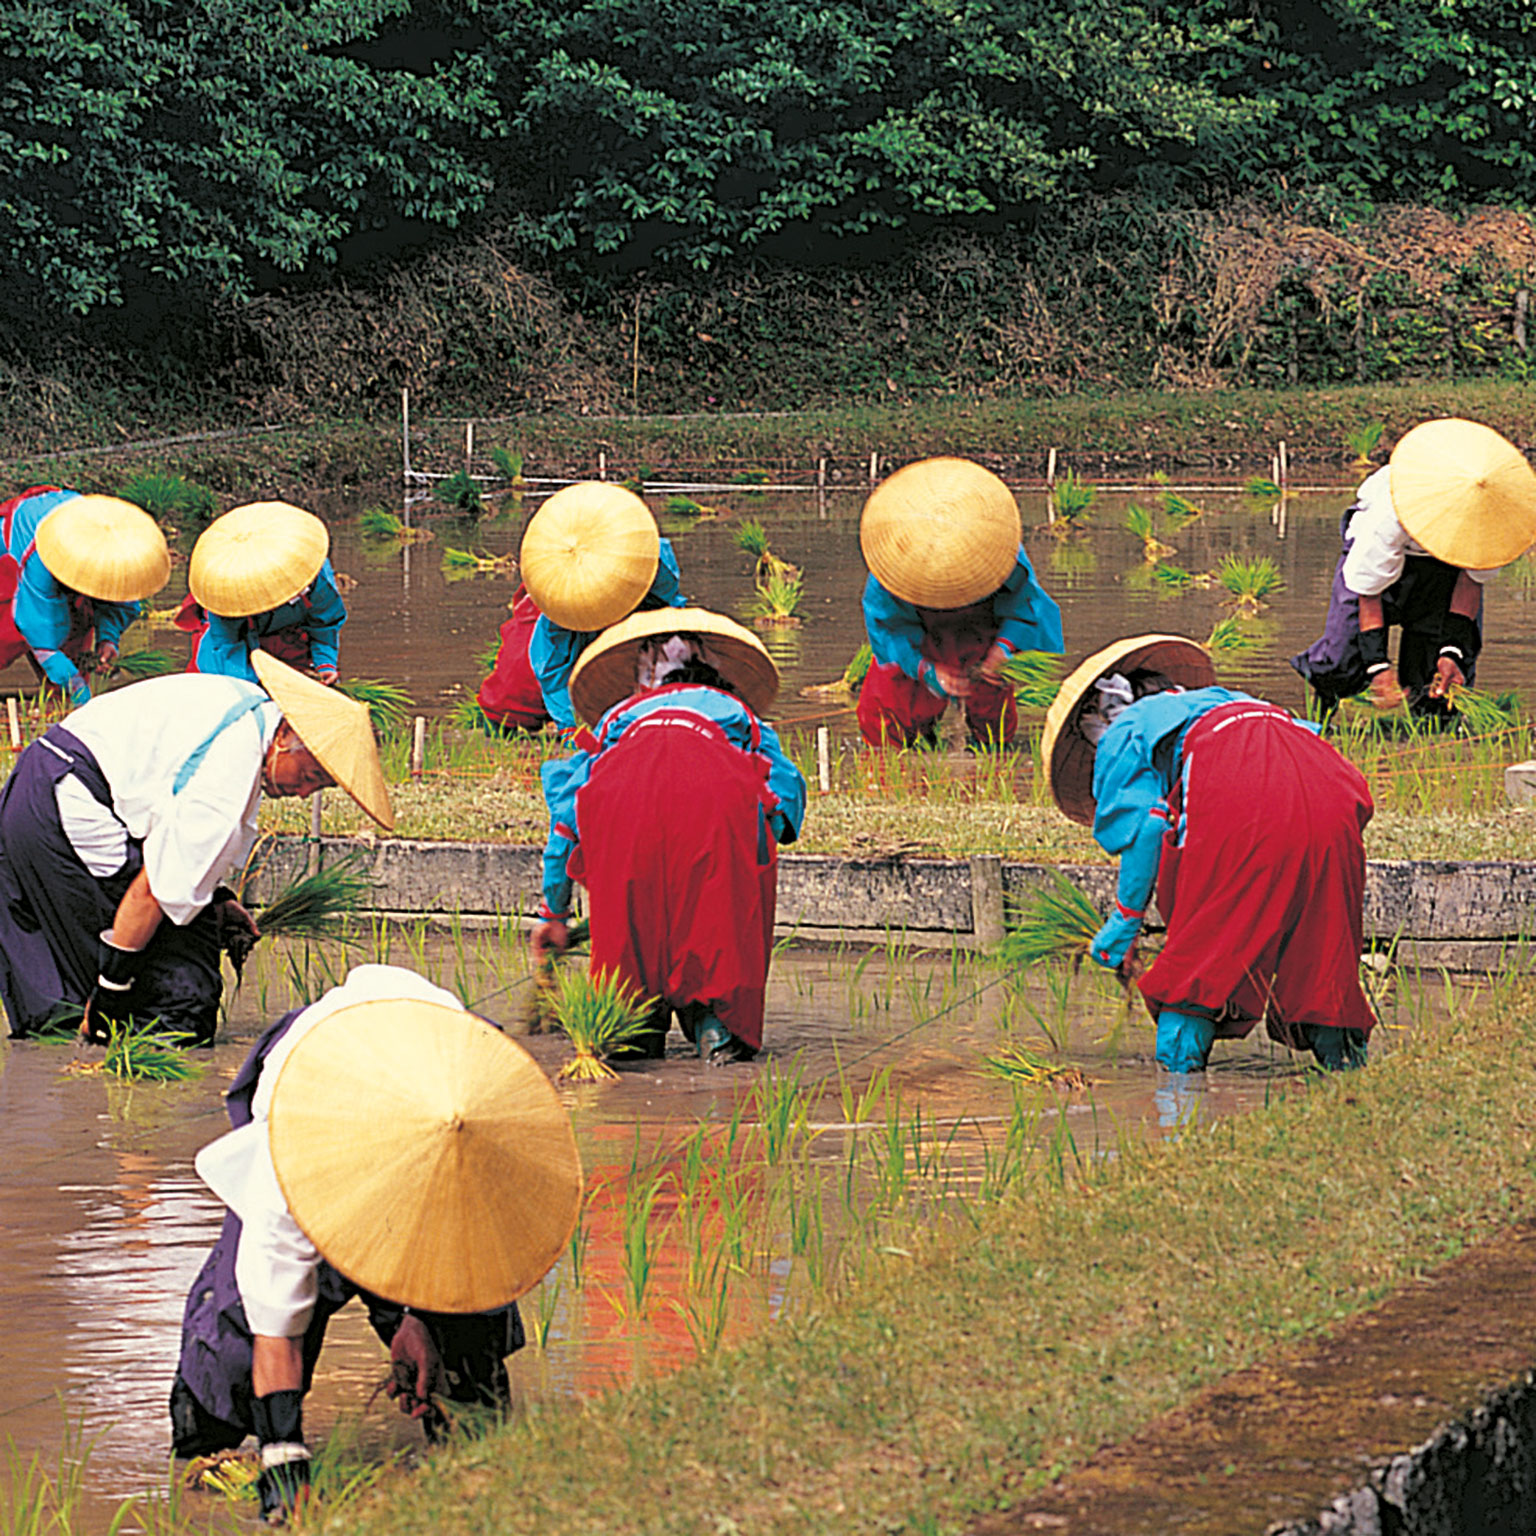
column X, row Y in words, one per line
column 1336, row 1050
column 717, row 1046
column 1184, row 1041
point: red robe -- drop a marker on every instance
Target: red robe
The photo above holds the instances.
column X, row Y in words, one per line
column 1264, row 901
column 511, row 696
column 681, row 867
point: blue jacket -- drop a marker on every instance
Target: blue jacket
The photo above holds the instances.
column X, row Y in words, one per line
column 553, row 652
column 563, row 778
column 1027, row 619
column 225, row 646
column 41, row 607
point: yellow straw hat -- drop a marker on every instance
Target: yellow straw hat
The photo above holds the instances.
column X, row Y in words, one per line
column 104, row 547
column 589, row 555
column 941, row 533
column 336, row 729
column 1068, row 755
column 605, row 672
column 256, row 558
column 1465, row 493
column 425, row 1155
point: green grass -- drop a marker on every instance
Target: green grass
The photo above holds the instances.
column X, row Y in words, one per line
column 169, row 497
column 953, row 1362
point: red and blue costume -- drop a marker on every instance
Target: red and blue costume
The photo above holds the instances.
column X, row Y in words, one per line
column 902, row 698
column 305, row 632
column 1251, row 827
column 670, row 814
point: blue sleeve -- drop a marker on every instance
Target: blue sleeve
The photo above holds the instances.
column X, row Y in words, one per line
column 326, row 614
column 112, row 619
column 41, row 611
column 1126, row 785
column 787, row 783
column 561, row 778
column 223, row 650
column 895, row 631
column 666, row 589
column 1028, row 618
column 552, row 652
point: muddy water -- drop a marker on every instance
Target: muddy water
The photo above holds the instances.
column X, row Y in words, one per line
column 414, row 624
column 105, row 1222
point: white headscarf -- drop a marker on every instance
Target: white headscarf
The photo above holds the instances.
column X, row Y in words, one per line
column 658, row 659
column 1115, row 696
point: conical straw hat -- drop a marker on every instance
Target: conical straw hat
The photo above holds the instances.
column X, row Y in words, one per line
column 256, row 558
column 336, row 729
column 1465, row 493
column 104, row 547
column 425, row 1155
column 589, row 555
column 941, row 533
column 1068, row 755
column 605, row 672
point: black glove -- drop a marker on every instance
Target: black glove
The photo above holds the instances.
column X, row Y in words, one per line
column 1373, row 648
column 111, row 999
column 284, row 1476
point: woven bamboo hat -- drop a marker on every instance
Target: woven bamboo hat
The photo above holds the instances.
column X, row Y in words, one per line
column 1465, row 493
column 605, row 672
column 444, row 1173
column 336, row 729
column 256, row 558
column 941, row 533
column 104, row 547
column 1068, row 754
column 589, row 555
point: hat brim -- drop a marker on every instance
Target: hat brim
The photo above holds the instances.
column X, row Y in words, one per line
column 1465, row 493
column 605, row 672
column 425, row 1155
column 104, row 547
column 337, row 730
column 1067, row 754
column 256, row 558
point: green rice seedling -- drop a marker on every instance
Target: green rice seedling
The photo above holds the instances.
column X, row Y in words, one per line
column 389, row 705
column 1071, row 501
column 1174, row 578
column 1179, row 509
column 382, row 525
column 1250, row 580
column 462, row 492
column 858, row 669
column 754, row 476
column 776, row 598
column 168, row 498
column 1229, row 637
column 312, row 907
column 1016, row 1064
column 1139, row 521
column 1261, row 488
column 708, row 1309
column 145, row 1053
column 1035, row 677
column 509, row 463
column 600, row 1015
column 1362, row 441
column 1057, row 923
column 781, row 1108
column 465, row 562
column 682, row 506
column 469, row 716
column 148, row 662
column 1483, row 713
column 638, row 1244
column 752, row 537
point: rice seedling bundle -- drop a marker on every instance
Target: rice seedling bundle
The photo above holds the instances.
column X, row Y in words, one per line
column 858, row 669
column 1175, row 578
column 1229, row 637
column 509, row 463
column 600, row 1015
column 777, row 597
column 168, row 497
column 1072, row 499
column 148, row 662
column 379, row 523
column 1250, row 579
column 752, row 537
column 682, row 506
column 142, row 1053
column 1362, row 441
column 1180, row 508
column 389, row 705
column 1058, row 923
column 313, row 906
column 461, row 491
column 1035, row 677
column 1015, row 1064
column 1261, row 488
column 1139, row 521
column 1483, row 713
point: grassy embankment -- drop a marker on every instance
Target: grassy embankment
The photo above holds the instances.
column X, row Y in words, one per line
column 1228, row 428
column 970, row 1359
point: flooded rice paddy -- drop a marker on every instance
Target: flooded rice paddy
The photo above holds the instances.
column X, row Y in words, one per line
column 719, row 1199
column 417, row 625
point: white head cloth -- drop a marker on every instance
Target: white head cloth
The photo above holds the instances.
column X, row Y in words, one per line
column 1115, row 696
column 658, row 659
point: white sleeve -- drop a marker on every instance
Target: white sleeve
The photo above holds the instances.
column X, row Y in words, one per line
column 1379, row 543
column 277, row 1270
column 198, row 835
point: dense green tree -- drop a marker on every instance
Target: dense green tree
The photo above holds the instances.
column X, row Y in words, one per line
column 162, row 145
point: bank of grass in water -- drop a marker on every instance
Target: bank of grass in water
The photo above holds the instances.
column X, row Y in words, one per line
column 961, row 1364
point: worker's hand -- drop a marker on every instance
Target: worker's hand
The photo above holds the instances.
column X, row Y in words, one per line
column 1447, row 676
column 416, row 1368
column 991, row 668
column 1386, row 691
column 106, row 656
column 552, row 936
column 1112, row 943
column 327, row 675
column 233, row 917
column 952, row 684
column 1132, row 966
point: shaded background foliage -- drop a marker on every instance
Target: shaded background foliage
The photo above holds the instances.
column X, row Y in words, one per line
column 518, row 204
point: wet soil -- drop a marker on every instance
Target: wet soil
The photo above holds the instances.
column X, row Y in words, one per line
column 1278, row 1442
